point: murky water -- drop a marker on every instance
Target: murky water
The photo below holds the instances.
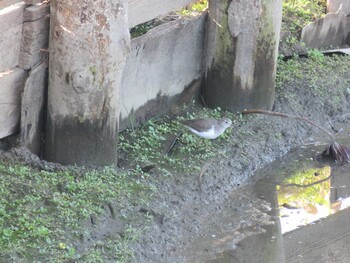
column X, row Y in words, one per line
column 309, row 201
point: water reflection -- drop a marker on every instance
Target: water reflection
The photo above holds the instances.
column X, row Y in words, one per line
column 304, row 197
column 307, row 196
column 310, row 190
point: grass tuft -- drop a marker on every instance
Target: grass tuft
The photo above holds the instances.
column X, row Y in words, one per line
column 42, row 213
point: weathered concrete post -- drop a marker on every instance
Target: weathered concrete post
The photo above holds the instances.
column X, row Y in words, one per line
column 335, row 5
column 241, row 53
column 89, row 41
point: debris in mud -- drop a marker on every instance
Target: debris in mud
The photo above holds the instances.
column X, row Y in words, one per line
column 337, row 152
column 24, row 155
column 158, row 218
column 148, row 168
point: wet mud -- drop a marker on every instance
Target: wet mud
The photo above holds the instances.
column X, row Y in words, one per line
column 200, row 223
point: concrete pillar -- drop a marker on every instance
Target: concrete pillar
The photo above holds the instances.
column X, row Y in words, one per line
column 335, row 5
column 89, row 42
column 241, row 53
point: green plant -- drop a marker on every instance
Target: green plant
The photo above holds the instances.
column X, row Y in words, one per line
column 148, row 144
column 195, row 8
column 310, row 73
column 140, row 29
column 316, row 55
column 298, row 13
column 288, row 70
column 291, row 40
column 41, row 213
column 192, row 9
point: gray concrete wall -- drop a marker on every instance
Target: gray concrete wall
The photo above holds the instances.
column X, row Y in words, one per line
column 140, row 11
column 161, row 64
column 24, row 32
column 159, row 67
column 335, row 5
column 331, row 31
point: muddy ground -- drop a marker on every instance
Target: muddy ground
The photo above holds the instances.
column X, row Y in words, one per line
column 183, row 211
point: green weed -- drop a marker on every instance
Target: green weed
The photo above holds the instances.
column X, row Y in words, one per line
column 41, row 213
column 316, row 56
column 298, row 13
column 311, row 74
column 190, row 10
column 195, row 8
column 288, row 70
column 149, row 144
column 140, row 29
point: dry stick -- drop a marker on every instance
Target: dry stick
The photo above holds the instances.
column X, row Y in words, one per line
column 274, row 113
column 303, row 186
column 173, row 143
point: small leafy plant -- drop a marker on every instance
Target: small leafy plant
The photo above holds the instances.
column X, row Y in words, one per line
column 298, row 13
column 149, row 144
column 42, row 213
column 195, row 8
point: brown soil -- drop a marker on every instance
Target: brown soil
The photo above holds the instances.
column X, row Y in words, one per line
column 182, row 210
column 187, row 209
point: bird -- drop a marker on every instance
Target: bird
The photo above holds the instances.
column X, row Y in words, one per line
column 207, row 128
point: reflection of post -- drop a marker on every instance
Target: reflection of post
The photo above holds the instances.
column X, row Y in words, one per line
column 326, row 240
column 267, row 247
column 340, row 186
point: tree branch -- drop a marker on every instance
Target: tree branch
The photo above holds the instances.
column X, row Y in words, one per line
column 279, row 114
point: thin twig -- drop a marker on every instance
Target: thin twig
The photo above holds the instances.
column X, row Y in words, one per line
column 274, row 113
column 305, row 185
column 173, row 143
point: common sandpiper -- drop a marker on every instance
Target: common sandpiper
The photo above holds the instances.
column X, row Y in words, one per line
column 207, row 128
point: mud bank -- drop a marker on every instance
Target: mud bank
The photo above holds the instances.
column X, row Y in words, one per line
column 182, row 212
column 318, row 91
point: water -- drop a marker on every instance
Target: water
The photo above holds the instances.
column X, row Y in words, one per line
column 308, row 199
